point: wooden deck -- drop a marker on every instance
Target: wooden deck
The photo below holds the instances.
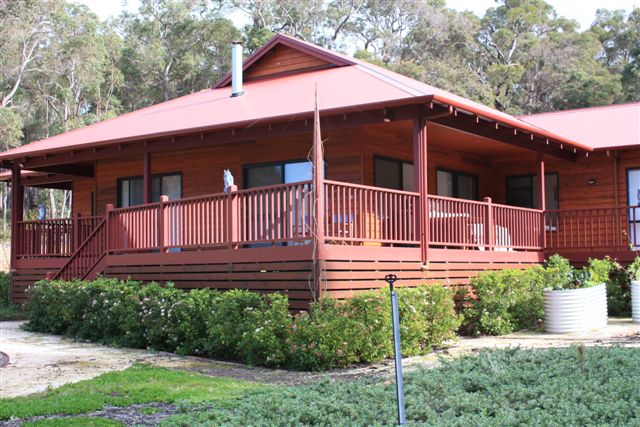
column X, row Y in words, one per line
column 263, row 239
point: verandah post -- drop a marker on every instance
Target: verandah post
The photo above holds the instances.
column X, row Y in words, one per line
column 17, row 212
column 232, row 217
column 490, row 228
column 318, row 201
column 542, row 200
column 421, row 178
column 146, row 177
column 163, row 223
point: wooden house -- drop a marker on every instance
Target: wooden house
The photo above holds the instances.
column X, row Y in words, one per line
column 404, row 178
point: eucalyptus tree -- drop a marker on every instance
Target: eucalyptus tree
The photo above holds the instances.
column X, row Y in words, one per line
column 172, row 49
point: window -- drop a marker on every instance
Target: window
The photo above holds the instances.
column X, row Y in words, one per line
column 456, row 184
column 392, row 173
column 522, row 190
column 277, row 173
column 131, row 191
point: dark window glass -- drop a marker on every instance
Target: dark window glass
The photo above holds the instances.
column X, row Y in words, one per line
column 394, row 174
column 457, row 184
column 522, row 191
column 277, row 173
column 131, row 190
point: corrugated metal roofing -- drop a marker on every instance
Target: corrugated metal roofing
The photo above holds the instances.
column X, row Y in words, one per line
column 606, row 127
column 350, row 86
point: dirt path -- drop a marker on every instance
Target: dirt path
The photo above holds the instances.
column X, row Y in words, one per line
column 39, row 361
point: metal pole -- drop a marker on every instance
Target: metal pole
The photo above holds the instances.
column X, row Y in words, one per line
column 395, row 314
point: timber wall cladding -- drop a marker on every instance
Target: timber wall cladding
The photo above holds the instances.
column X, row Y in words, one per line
column 202, row 169
column 283, row 59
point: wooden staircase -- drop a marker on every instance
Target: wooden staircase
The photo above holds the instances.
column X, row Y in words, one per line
column 82, row 264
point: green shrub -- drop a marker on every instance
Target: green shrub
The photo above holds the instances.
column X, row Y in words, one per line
column 242, row 325
column 5, row 289
column 558, row 272
column 505, row 301
column 617, row 280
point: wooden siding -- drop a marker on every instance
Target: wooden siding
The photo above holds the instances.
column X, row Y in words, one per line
column 29, row 272
column 283, row 60
column 349, row 270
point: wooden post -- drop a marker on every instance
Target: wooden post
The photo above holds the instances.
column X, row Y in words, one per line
column 163, row 223
column 616, row 202
column 542, row 201
column 490, row 227
column 146, row 178
column 318, row 201
column 76, row 231
column 232, row 216
column 108, row 225
column 421, row 179
column 17, row 213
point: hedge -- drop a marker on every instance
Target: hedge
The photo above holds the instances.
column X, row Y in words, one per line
column 241, row 325
column 510, row 300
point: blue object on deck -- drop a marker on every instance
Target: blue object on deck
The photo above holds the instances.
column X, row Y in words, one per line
column 397, row 351
column 42, row 213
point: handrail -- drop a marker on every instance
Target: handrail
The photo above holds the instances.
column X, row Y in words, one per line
column 373, row 216
column 588, row 229
column 84, row 259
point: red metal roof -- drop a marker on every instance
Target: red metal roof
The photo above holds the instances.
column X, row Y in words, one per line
column 350, row 86
column 601, row 128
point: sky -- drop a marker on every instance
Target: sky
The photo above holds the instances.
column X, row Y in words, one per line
column 583, row 11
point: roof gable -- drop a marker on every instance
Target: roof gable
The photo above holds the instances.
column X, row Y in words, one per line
column 286, row 55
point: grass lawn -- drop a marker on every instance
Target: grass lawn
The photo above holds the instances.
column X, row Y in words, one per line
column 138, row 384
column 561, row 387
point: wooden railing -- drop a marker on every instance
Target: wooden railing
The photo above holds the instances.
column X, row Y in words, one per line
column 85, row 258
column 466, row 224
column 258, row 216
column 357, row 214
column 54, row 237
column 613, row 228
column 274, row 214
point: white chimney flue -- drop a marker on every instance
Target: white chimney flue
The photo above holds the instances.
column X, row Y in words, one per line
column 236, row 70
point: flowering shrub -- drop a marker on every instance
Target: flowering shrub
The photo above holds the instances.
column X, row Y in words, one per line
column 242, row 325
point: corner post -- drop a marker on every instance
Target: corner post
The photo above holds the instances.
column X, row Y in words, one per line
column 146, row 178
column 232, row 219
column 318, row 199
column 490, row 228
column 542, row 201
column 17, row 213
column 421, row 178
column 163, row 223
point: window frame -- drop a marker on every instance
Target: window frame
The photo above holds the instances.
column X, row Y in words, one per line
column 532, row 176
column 281, row 163
column 400, row 170
column 155, row 175
column 455, row 174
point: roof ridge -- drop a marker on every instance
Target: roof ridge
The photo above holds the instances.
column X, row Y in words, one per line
column 576, row 110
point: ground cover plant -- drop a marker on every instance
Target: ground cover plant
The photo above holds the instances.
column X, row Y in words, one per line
column 138, row 384
column 242, row 325
column 74, row 422
column 558, row 387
